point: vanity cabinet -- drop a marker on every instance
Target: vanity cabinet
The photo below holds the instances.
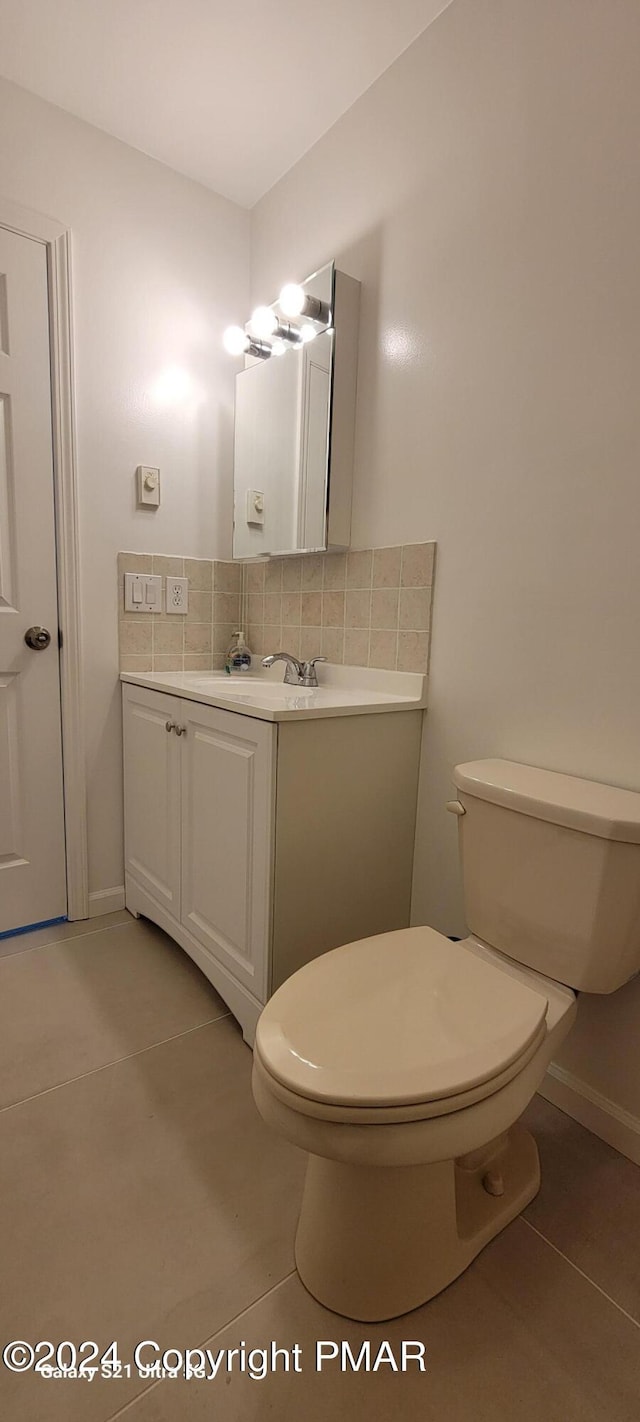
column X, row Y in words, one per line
column 199, row 826
column 259, row 844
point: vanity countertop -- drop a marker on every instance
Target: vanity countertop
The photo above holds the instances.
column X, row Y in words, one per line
column 342, row 691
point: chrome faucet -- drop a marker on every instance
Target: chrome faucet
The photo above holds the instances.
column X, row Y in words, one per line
column 297, row 673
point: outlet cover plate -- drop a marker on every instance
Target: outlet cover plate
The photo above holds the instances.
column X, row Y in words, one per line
column 177, row 596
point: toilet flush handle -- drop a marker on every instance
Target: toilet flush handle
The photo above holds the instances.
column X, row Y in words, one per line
column 455, row 807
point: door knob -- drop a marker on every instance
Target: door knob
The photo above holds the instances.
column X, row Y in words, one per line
column 37, row 638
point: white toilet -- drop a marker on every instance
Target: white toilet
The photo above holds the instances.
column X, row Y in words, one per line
column 401, row 1063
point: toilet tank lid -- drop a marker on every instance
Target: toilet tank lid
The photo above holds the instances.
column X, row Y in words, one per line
column 587, row 805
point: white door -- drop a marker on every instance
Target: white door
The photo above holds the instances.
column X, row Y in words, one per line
column 152, row 794
column 227, row 832
column 32, row 848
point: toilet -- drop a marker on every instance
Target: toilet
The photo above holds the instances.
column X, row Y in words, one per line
column 402, row 1063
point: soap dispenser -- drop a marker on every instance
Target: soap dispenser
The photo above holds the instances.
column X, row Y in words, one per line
column 238, row 657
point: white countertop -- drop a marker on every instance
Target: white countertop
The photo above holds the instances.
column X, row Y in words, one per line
column 342, row 691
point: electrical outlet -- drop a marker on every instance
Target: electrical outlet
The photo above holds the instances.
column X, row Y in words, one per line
column 178, row 595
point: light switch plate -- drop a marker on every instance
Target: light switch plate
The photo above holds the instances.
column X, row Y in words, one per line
column 255, row 507
column 178, row 595
column 148, row 486
column 142, row 592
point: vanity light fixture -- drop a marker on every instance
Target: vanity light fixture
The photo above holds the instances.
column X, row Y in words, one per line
column 269, row 332
column 294, row 301
column 238, row 342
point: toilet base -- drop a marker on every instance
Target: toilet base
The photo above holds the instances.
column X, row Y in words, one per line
column 374, row 1242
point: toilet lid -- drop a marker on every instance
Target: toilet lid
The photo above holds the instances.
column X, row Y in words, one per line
column 404, row 1017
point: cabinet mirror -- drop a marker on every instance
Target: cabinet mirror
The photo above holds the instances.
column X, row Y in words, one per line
column 294, row 420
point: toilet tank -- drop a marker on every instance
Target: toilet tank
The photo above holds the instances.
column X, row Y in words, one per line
column 551, row 871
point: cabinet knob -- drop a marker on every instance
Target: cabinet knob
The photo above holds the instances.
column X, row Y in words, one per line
column 181, row 730
column 169, row 725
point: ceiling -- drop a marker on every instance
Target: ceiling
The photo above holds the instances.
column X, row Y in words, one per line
column 230, row 92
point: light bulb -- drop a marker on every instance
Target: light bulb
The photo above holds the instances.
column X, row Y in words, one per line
column 264, row 322
column 308, row 333
column 291, row 299
column 235, row 340
column 279, row 347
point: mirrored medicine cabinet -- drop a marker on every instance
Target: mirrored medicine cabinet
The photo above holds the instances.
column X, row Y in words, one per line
column 294, row 425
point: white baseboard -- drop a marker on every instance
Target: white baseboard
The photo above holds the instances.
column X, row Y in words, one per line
column 106, row 901
column 612, row 1123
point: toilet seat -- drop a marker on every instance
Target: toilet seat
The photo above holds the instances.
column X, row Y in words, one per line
column 401, row 1026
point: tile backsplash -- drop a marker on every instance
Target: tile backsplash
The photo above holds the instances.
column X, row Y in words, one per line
column 368, row 607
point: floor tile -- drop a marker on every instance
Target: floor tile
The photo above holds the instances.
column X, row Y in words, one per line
column 75, row 1005
column 520, row 1335
column 148, row 1200
column 589, row 1203
column 22, row 942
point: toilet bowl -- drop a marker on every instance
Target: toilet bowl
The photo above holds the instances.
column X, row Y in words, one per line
column 405, row 1096
column 402, row 1063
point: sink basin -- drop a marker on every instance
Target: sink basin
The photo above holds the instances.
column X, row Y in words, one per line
column 251, row 686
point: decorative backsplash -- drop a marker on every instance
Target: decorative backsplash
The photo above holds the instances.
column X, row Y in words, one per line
column 368, row 607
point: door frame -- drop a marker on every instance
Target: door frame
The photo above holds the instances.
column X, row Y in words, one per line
column 57, row 240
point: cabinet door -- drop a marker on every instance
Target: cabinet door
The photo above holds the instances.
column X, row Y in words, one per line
column 227, row 831
column 152, row 794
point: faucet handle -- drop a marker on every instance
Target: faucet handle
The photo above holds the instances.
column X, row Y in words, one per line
column 309, row 674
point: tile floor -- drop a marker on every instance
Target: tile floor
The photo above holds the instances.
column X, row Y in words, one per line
column 141, row 1196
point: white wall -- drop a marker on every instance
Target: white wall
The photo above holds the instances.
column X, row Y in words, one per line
column 485, row 192
column 160, row 267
